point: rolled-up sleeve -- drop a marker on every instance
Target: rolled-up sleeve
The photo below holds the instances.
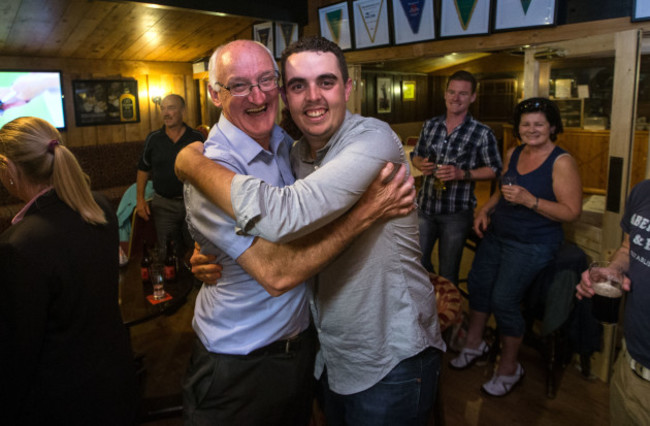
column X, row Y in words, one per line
column 209, row 225
column 283, row 214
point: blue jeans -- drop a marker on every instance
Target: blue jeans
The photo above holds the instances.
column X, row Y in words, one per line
column 404, row 397
column 501, row 273
column 452, row 230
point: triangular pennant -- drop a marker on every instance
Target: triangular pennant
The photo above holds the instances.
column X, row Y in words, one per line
column 525, row 4
column 465, row 9
column 370, row 12
column 413, row 11
column 334, row 19
column 263, row 34
column 287, row 32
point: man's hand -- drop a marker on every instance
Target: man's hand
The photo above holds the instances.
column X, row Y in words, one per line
column 447, row 172
column 203, row 266
column 423, row 164
column 388, row 197
column 142, row 209
column 585, row 290
column 185, row 159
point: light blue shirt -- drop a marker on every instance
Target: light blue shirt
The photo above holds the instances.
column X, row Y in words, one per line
column 374, row 305
column 237, row 315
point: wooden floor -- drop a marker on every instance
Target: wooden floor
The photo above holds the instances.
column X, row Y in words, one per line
column 166, row 342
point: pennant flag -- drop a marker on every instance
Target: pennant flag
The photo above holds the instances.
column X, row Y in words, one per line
column 413, row 11
column 465, row 9
column 263, row 35
column 334, row 19
column 287, row 32
column 525, row 4
column 370, row 12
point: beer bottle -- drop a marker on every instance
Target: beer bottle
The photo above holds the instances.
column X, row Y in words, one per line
column 145, row 263
column 170, row 262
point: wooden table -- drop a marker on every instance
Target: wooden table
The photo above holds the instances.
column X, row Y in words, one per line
column 134, row 305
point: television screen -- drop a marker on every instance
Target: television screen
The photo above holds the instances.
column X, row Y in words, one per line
column 36, row 93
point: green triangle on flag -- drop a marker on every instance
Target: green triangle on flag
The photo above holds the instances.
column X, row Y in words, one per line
column 465, row 9
column 526, row 4
column 334, row 18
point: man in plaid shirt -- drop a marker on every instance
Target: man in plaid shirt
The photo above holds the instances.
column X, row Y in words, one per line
column 453, row 151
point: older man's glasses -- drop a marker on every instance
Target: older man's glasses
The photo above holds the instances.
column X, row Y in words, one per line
column 266, row 83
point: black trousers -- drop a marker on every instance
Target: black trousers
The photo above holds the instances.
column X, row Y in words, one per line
column 272, row 388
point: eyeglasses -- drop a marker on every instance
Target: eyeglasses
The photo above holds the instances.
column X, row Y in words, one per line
column 266, row 83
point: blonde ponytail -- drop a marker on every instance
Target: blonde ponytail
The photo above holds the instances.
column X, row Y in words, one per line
column 34, row 146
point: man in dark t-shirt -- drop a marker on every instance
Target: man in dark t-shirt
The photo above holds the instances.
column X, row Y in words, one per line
column 157, row 163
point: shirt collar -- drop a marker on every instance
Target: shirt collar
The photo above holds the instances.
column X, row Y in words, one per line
column 21, row 214
column 246, row 146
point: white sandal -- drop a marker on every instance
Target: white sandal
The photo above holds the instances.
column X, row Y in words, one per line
column 503, row 385
column 467, row 357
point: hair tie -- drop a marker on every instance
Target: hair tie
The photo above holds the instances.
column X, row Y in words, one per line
column 52, row 144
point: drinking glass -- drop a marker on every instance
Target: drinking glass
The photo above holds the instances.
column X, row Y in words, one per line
column 606, row 282
column 157, row 276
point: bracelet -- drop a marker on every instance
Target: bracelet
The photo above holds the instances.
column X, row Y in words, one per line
column 536, row 204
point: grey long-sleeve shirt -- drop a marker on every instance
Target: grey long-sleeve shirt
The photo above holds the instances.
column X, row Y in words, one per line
column 374, row 305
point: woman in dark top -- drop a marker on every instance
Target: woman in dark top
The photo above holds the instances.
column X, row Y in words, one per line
column 525, row 231
column 65, row 357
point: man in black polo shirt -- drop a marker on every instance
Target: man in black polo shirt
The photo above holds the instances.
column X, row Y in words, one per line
column 157, row 161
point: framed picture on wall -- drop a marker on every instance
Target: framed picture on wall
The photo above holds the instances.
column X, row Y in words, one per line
column 512, row 14
column 98, row 102
column 641, row 10
column 408, row 90
column 285, row 34
column 413, row 21
column 264, row 34
column 335, row 25
column 370, row 19
column 464, row 17
column 384, row 95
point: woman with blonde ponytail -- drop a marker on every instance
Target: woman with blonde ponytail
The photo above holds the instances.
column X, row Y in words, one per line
column 65, row 356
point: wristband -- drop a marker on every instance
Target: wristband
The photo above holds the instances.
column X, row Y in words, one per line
column 536, row 203
column 467, row 175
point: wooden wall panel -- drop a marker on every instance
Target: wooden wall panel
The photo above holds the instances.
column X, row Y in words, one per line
column 401, row 111
column 169, row 76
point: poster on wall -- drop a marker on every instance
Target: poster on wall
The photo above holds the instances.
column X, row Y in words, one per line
column 511, row 14
column 464, row 17
column 98, row 102
column 413, row 21
column 384, row 94
column 334, row 23
column 641, row 10
column 264, row 34
column 370, row 23
column 285, row 34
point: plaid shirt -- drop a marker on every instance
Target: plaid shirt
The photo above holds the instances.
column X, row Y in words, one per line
column 470, row 146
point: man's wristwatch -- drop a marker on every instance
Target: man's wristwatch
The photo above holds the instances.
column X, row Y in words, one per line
column 467, row 175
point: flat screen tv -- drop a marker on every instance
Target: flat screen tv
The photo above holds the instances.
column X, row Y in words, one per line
column 36, row 93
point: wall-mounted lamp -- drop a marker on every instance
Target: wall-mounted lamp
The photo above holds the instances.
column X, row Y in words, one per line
column 157, row 100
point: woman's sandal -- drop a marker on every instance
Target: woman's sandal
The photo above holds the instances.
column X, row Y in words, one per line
column 467, row 357
column 503, row 385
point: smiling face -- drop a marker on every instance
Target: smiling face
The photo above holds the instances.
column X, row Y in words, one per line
column 458, row 97
column 316, row 95
column 245, row 62
column 534, row 129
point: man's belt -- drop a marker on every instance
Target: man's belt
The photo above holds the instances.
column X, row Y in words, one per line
column 283, row 346
column 638, row 368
